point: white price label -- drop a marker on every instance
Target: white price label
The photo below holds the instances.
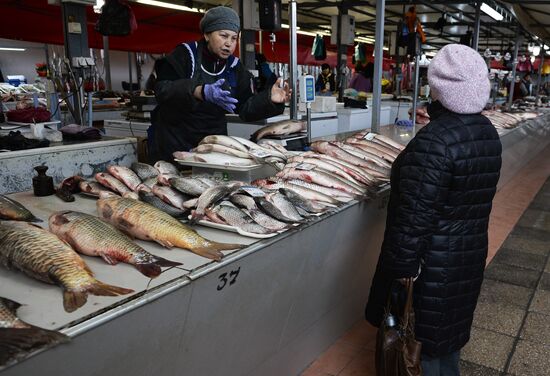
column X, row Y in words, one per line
column 370, row 136
column 305, row 166
column 253, row 191
column 257, row 153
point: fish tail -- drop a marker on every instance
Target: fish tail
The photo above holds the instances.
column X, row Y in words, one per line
column 152, row 268
column 19, row 342
column 74, row 298
column 213, row 251
column 35, row 219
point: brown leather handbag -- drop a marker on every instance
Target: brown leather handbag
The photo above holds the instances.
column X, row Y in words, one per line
column 397, row 351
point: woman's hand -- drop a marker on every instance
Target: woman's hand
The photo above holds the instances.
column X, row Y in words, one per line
column 422, row 116
column 280, row 94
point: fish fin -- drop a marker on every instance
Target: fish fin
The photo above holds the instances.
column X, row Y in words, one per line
column 77, row 297
column 16, row 343
column 164, row 262
column 108, row 259
column 149, row 269
column 165, row 243
column 35, row 219
column 214, row 250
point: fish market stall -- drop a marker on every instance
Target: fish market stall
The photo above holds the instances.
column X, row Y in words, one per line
column 355, row 119
column 267, row 309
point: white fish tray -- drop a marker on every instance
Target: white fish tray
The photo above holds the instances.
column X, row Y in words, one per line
column 220, row 226
column 228, row 167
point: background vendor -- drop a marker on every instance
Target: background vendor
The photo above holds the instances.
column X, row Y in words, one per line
column 325, row 81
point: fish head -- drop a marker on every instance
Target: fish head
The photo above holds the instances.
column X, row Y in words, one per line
column 58, row 220
column 104, row 208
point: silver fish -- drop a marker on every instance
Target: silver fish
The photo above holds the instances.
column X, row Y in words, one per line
column 92, row 187
column 235, row 217
column 13, row 210
column 151, row 199
column 306, row 192
column 111, row 182
column 209, row 148
column 164, row 167
column 248, row 203
column 144, row 171
column 170, row 196
column 210, row 197
column 277, row 206
column 321, row 178
column 280, row 128
column 190, row 186
column 125, row 175
column 300, row 201
column 224, row 140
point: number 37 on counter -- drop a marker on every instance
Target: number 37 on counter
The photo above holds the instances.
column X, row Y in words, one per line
column 230, row 277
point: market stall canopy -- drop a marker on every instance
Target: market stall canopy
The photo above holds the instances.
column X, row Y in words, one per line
column 533, row 16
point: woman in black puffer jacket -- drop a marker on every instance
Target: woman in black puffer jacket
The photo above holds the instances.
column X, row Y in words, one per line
column 442, row 187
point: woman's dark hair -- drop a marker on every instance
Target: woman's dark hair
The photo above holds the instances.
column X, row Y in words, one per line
column 325, row 66
column 369, row 70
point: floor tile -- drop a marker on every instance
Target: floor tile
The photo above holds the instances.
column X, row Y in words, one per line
column 471, row 369
column 360, row 335
column 541, row 302
column 545, row 281
column 527, row 245
column 313, row 372
column 488, row 349
column 536, row 328
column 361, row 365
column 521, row 259
column 335, row 358
column 499, row 292
column 511, row 274
column 538, row 219
column 530, row 359
column 533, row 233
column 498, row 317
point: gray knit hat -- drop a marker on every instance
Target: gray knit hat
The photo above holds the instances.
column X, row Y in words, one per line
column 220, row 18
column 459, row 79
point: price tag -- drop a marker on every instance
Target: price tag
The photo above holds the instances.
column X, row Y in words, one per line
column 305, row 166
column 257, row 153
column 253, row 191
column 370, row 136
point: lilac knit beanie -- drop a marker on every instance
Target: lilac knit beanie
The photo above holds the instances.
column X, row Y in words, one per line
column 459, row 79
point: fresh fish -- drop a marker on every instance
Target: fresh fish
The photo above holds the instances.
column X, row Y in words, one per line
column 170, row 196
column 331, row 170
column 372, row 147
column 300, row 201
column 230, row 142
column 277, row 206
column 358, row 152
column 325, row 147
column 190, row 186
column 143, row 188
column 164, row 167
column 13, row 210
column 125, row 175
column 235, row 217
column 146, row 222
column 152, row 199
column 306, row 192
column 253, row 147
column 275, row 146
column 280, row 128
column 340, row 196
column 43, row 256
column 209, row 148
column 105, row 194
column 164, row 179
column 210, row 182
column 18, row 338
column 355, row 171
column 210, row 197
column 144, row 171
column 111, row 182
column 213, row 158
column 92, row 187
column 246, row 202
column 320, row 178
column 150, row 182
column 91, row 236
column 328, row 167
column 389, row 141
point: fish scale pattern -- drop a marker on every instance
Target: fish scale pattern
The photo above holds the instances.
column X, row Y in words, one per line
column 443, row 184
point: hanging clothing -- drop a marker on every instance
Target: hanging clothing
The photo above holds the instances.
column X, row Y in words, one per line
column 413, row 24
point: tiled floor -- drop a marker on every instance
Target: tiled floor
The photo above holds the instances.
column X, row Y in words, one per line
column 511, row 330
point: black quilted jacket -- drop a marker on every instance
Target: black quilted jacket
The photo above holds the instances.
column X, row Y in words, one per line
column 442, row 187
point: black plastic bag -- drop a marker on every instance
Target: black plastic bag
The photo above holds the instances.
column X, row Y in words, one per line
column 116, row 18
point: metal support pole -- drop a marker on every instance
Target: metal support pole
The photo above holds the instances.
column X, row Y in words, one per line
column 514, row 66
column 261, row 38
column 107, row 62
column 475, row 43
column 541, row 65
column 378, row 62
column 415, row 95
column 308, row 109
column 130, row 69
column 341, row 55
column 292, row 15
column 90, row 110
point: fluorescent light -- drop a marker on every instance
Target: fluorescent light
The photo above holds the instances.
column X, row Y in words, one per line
column 162, row 4
column 536, row 50
column 286, row 26
column 546, row 47
column 98, row 5
column 12, row 49
column 491, row 12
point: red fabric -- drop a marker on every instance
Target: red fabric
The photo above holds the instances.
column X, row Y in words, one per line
column 159, row 31
column 29, row 115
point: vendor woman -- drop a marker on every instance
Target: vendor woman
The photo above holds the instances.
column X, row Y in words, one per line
column 199, row 82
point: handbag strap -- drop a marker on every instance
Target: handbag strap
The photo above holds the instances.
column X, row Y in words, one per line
column 408, row 303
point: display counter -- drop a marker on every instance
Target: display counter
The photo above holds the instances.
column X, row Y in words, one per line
column 269, row 309
column 63, row 160
column 356, row 119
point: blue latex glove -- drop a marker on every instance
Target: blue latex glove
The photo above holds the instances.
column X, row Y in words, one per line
column 404, row 123
column 214, row 93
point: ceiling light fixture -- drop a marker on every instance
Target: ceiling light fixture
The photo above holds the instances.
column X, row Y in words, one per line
column 286, row 26
column 491, row 12
column 12, row 49
column 162, row 4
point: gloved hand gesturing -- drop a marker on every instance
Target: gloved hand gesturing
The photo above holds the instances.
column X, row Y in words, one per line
column 214, row 93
